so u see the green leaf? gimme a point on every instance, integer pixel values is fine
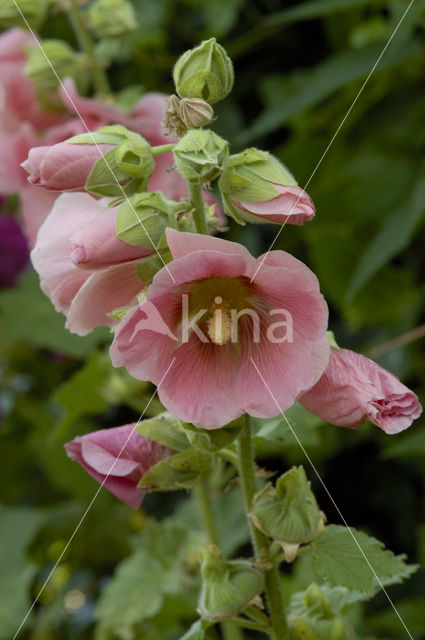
(182, 471)
(166, 430)
(337, 559)
(27, 315)
(393, 237)
(17, 528)
(159, 567)
(196, 631)
(290, 95)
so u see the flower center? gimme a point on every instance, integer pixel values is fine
(219, 324)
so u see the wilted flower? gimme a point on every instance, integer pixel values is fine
(119, 458)
(354, 387)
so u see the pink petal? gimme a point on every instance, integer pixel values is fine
(36, 204)
(96, 245)
(182, 243)
(105, 462)
(292, 206)
(60, 279)
(100, 294)
(288, 370)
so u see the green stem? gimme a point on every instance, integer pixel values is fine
(260, 542)
(195, 195)
(162, 148)
(230, 631)
(100, 78)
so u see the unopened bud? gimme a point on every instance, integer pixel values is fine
(185, 114)
(142, 219)
(33, 10)
(301, 630)
(288, 513)
(111, 18)
(56, 55)
(134, 156)
(227, 587)
(200, 155)
(204, 72)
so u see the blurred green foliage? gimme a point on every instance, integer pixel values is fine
(299, 92)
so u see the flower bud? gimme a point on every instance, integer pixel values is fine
(314, 617)
(289, 512)
(56, 54)
(182, 115)
(227, 587)
(204, 72)
(142, 219)
(111, 18)
(256, 187)
(33, 10)
(134, 156)
(199, 155)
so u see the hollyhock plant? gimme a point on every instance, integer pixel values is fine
(256, 187)
(354, 388)
(118, 458)
(84, 268)
(214, 379)
(14, 252)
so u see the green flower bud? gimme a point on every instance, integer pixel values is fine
(204, 72)
(199, 155)
(288, 513)
(57, 54)
(141, 221)
(33, 10)
(314, 616)
(227, 587)
(111, 18)
(301, 630)
(182, 115)
(250, 176)
(134, 156)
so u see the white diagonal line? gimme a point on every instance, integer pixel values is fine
(332, 499)
(92, 137)
(341, 124)
(83, 517)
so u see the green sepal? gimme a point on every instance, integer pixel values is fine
(181, 471)
(332, 340)
(33, 10)
(134, 156)
(288, 513)
(142, 220)
(149, 266)
(110, 134)
(228, 587)
(106, 176)
(119, 313)
(214, 439)
(165, 429)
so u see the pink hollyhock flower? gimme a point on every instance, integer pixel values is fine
(354, 387)
(213, 378)
(14, 252)
(292, 206)
(63, 166)
(119, 458)
(84, 268)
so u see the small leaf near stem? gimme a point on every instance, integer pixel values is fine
(100, 79)
(195, 195)
(260, 542)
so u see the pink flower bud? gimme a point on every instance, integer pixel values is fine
(354, 387)
(118, 458)
(63, 166)
(293, 206)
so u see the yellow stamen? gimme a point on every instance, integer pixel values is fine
(219, 325)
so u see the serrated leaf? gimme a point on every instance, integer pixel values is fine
(337, 559)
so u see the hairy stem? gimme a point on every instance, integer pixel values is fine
(100, 78)
(230, 631)
(260, 542)
(195, 195)
(162, 148)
